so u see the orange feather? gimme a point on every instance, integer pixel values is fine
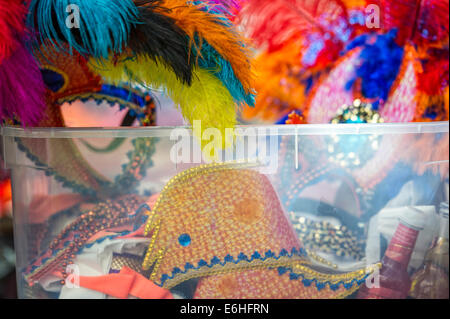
(209, 27)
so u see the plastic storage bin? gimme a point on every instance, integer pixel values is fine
(309, 211)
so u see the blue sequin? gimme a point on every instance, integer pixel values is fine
(320, 286)
(176, 270)
(184, 240)
(215, 261)
(282, 270)
(307, 282)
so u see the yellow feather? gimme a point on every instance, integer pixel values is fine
(206, 100)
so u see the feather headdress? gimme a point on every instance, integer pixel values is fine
(206, 99)
(201, 61)
(216, 55)
(380, 74)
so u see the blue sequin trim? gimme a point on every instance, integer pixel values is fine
(320, 284)
(230, 259)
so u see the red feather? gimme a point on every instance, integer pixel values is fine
(420, 21)
(12, 24)
(434, 78)
(276, 22)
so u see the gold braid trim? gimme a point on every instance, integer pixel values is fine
(228, 268)
(310, 273)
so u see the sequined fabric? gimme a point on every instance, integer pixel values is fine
(263, 284)
(234, 221)
(225, 226)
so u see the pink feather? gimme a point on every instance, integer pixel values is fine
(22, 90)
(275, 22)
(12, 24)
(420, 21)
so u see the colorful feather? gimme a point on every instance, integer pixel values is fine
(22, 91)
(211, 60)
(435, 76)
(204, 27)
(279, 85)
(207, 99)
(421, 21)
(380, 63)
(103, 26)
(158, 37)
(272, 23)
(12, 24)
(225, 7)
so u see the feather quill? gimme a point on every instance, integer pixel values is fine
(104, 25)
(22, 90)
(12, 24)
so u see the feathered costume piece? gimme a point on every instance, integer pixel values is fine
(94, 28)
(421, 21)
(301, 39)
(217, 76)
(188, 49)
(401, 68)
(273, 23)
(205, 99)
(213, 43)
(21, 88)
(199, 58)
(11, 25)
(21, 85)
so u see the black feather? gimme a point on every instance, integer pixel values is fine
(157, 36)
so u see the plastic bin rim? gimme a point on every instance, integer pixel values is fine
(283, 130)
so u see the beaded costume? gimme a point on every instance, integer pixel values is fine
(195, 229)
(322, 62)
(326, 54)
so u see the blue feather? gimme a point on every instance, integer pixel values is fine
(381, 63)
(210, 59)
(103, 25)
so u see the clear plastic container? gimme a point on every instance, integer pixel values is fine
(303, 211)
